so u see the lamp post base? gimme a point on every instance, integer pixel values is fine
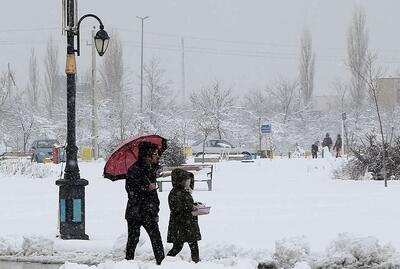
(72, 209)
(75, 237)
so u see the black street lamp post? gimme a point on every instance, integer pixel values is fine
(72, 186)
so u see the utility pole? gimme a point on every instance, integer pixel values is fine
(95, 131)
(343, 119)
(183, 72)
(141, 66)
(259, 134)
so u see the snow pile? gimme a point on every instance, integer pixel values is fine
(119, 248)
(9, 246)
(302, 265)
(221, 251)
(168, 263)
(209, 252)
(37, 245)
(358, 252)
(289, 251)
(24, 167)
(26, 246)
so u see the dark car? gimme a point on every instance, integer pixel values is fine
(42, 149)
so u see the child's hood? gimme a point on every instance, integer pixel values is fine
(179, 177)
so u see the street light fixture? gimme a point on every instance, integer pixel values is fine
(101, 38)
(72, 186)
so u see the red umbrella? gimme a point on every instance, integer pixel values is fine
(127, 154)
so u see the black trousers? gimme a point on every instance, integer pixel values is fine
(151, 227)
(338, 153)
(314, 155)
(194, 250)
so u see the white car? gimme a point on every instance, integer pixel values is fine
(217, 146)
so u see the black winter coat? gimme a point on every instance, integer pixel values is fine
(183, 226)
(142, 203)
(314, 148)
(327, 142)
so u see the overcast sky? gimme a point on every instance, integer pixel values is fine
(243, 44)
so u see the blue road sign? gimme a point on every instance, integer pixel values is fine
(265, 128)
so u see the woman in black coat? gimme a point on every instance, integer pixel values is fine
(143, 203)
(183, 226)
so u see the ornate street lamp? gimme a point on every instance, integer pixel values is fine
(101, 38)
(72, 186)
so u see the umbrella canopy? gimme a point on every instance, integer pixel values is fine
(127, 154)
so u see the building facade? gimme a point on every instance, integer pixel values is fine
(388, 92)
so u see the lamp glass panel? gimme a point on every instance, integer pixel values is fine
(99, 43)
(105, 46)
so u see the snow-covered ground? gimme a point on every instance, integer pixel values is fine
(283, 210)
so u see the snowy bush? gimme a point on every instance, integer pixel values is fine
(350, 171)
(37, 245)
(174, 154)
(368, 158)
(267, 265)
(24, 167)
(357, 252)
(289, 251)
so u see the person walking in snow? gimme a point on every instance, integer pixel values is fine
(338, 146)
(143, 203)
(183, 226)
(327, 142)
(314, 150)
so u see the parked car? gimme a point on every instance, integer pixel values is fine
(218, 146)
(42, 149)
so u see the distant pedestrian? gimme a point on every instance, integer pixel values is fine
(143, 203)
(314, 150)
(183, 226)
(327, 142)
(338, 146)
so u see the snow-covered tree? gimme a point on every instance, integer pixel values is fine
(212, 108)
(4, 90)
(52, 92)
(115, 97)
(307, 68)
(258, 103)
(157, 92)
(283, 93)
(173, 155)
(23, 123)
(371, 79)
(34, 81)
(341, 89)
(357, 47)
